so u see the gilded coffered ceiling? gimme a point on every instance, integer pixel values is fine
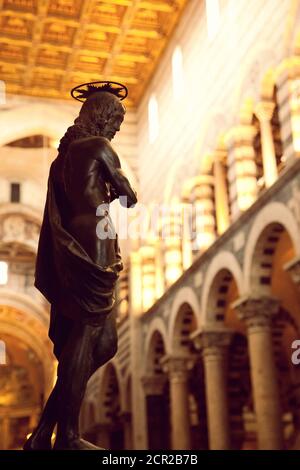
(49, 46)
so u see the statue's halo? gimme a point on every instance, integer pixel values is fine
(84, 91)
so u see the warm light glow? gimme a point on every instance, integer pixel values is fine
(295, 118)
(212, 18)
(2, 92)
(172, 274)
(153, 119)
(3, 273)
(54, 143)
(177, 72)
(261, 182)
(204, 240)
(2, 353)
(53, 437)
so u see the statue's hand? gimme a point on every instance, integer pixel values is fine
(129, 201)
(113, 194)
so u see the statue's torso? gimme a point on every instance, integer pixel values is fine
(83, 187)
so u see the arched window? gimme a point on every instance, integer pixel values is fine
(153, 119)
(3, 273)
(177, 72)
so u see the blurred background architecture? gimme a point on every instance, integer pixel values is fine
(207, 323)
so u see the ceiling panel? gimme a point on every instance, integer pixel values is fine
(49, 46)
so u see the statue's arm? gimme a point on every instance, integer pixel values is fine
(110, 164)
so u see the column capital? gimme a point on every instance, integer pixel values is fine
(293, 268)
(240, 134)
(256, 311)
(177, 366)
(264, 110)
(212, 339)
(154, 384)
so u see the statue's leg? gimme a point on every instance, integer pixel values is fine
(103, 343)
(40, 439)
(106, 347)
(74, 369)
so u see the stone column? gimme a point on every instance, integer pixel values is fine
(157, 419)
(202, 198)
(221, 196)
(103, 431)
(257, 312)
(171, 233)
(177, 367)
(139, 420)
(264, 111)
(293, 268)
(214, 342)
(241, 168)
(125, 418)
(4, 433)
(147, 253)
(288, 93)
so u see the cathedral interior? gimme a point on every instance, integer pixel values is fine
(208, 311)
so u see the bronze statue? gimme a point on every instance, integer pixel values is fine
(76, 270)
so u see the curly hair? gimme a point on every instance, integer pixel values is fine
(95, 112)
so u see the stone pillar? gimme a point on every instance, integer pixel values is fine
(177, 368)
(159, 270)
(293, 268)
(123, 294)
(103, 435)
(139, 419)
(4, 433)
(257, 312)
(125, 418)
(264, 111)
(187, 252)
(221, 196)
(241, 168)
(202, 198)
(157, 419)
(171, 233)
(214, 342)
(148, 269)
(288, 98)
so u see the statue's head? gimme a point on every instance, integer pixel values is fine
(101, 114)
(102, 110)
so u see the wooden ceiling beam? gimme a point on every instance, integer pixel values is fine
(36, 39)
(125, 27)
(86, 10)
(167, 7)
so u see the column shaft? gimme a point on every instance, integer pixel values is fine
(180, 419)
(257, 313)
(216, 400)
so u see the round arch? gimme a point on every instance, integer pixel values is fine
(186, 295)
(109, 372)
(18, 323)
(222, 261)
(157, 325)
(47, 119)
(273, 213)
(28, 212)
